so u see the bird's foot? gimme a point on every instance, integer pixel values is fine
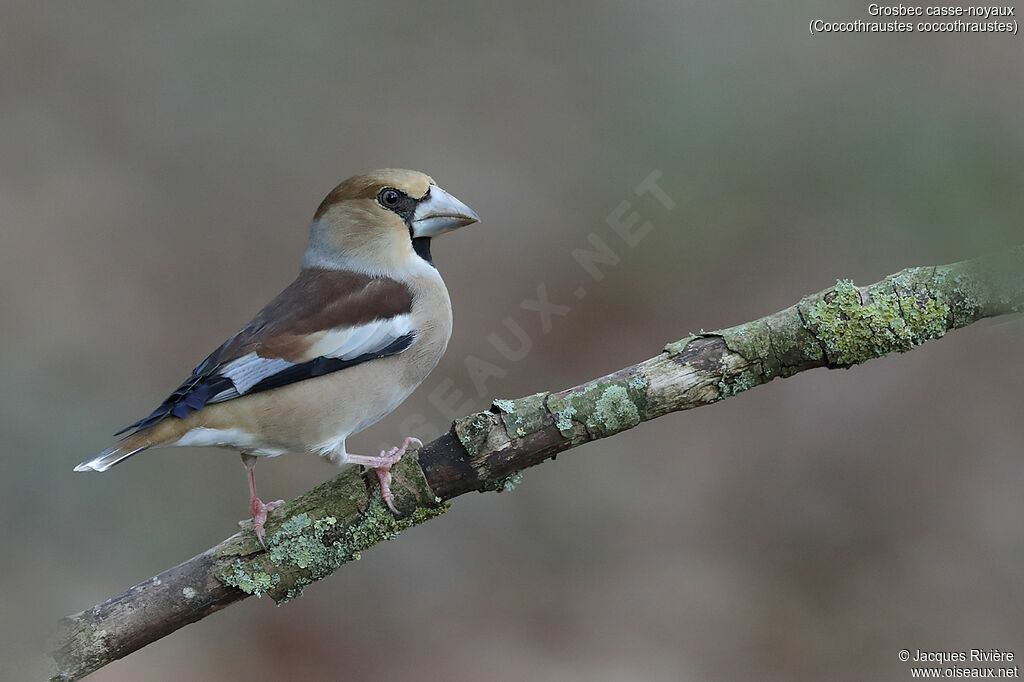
(391, 458)
(382, 466)
(259, 511)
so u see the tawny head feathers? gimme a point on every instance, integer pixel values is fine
(369, 185)
(381, 222)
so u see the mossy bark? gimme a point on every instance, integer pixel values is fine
(315, 534)
(839, 327)
(307, 539)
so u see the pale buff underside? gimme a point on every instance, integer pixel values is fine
(317, 415)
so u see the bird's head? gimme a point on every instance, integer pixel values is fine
(382, 222)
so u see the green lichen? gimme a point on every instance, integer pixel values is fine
(614, 411)
(509, 483)
(472, 431)
(251, 580)
(751, 340)
(304, 550)
(677, 347)
(966, 298)
(317, 548)
(564, 420)
(743, 381)
(378, 524)
(638, 383)
(792, 347)
(603, 407)
(522, 416)
(896, 316)
(300, 543)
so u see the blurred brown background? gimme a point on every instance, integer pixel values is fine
(159, 166)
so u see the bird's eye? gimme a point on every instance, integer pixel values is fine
(389, 197)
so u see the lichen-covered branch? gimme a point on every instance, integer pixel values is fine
(312, 536)
(839, 327)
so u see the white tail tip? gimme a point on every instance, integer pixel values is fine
(104, 460)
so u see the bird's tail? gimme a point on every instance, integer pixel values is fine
(162, 433)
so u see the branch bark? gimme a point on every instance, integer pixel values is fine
(315, 534)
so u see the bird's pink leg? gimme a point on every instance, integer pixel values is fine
(382, 465)
(257, 508)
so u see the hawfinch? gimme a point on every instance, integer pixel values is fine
(343, 345)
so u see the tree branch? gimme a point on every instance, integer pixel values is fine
(315, 534)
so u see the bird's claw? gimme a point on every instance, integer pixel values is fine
(387, 459)
(259, 512)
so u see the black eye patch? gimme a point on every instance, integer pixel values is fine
(399, 202)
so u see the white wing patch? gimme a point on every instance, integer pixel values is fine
(251, 369)
(345, 343)
(349, 343)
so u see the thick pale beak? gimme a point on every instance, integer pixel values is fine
(440, 212)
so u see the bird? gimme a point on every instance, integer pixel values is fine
(366, 320)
